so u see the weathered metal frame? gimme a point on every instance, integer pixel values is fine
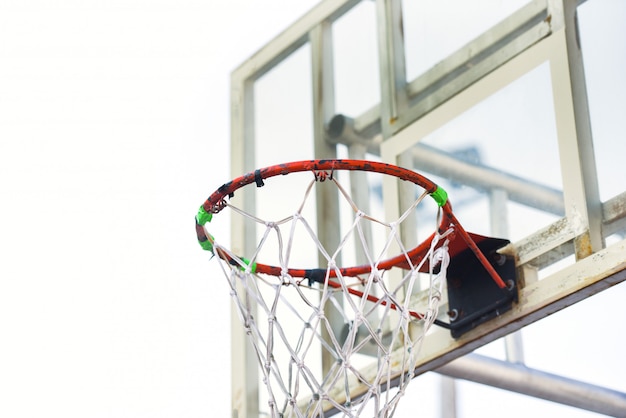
(544, 30)
(581, 205)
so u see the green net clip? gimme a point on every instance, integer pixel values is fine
(203, 216)
(252, 266)
(440, 196)
(207, 245)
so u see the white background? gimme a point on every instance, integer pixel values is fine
(114, 127)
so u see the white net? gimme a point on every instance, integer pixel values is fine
(329, 341)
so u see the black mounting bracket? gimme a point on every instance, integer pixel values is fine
(473, 296)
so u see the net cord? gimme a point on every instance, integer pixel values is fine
(285, 384)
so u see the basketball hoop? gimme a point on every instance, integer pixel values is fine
(285, 308)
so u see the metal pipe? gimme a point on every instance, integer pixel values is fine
(521, 379)
(448, 397)
(343, 130)
(499, 216)
(440, 163)
(514, 347)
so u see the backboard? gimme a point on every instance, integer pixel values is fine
(495, 109)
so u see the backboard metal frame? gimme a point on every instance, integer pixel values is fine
(542, 31)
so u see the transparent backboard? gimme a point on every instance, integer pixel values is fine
(502, 121)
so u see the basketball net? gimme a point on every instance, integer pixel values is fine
(290, 315)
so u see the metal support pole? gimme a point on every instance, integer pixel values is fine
(521, 379)
(448, 397)
(328, 228)
(244, 366)
(393, 93)
(343, 130)
(481, 177)
(500, 228)
(359, 191)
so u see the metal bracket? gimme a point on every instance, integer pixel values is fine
(473, 296)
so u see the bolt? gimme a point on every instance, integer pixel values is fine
(499, 259)
(453, 314)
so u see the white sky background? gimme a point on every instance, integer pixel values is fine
(114, 127)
